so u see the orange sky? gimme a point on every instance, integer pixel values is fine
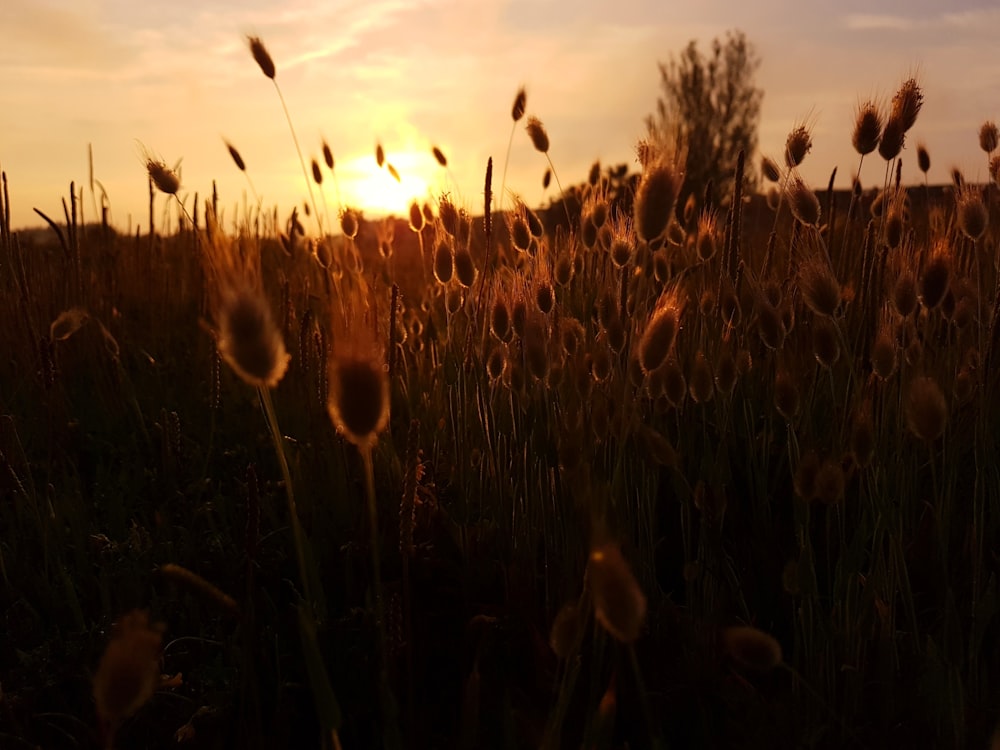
(178, 78)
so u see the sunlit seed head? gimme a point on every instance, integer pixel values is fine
(973, 216)
(935, 277)
(674, 383)
(317, 174)
(656, 198)
(893, 138)
(249, 341)
(751, 648)
(923, 158)
(536, 132)
(906, 104)
(803, 202)
(439, 156)
(465, 269)
(770, 169)
(820, 288)
(926, 409)
(237, 159)
(661, 331)
(500, 320)
(349, 223)
(520, 237)
(619, 604)
(129, 670)
(883, 355)
(520, 102)
(260, 54)
(867, 127)
(359, 396)
(797, 145)
(444, 262)
(166, 180)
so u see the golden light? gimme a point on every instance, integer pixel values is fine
(374, 190)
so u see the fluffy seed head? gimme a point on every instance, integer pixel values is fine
(989, 137)
(520, 101)
(655, 199)
(893, 138)
(240, 165)
(536, 132)
(904, 294)
(926, 409)
(973, 216)
(249, 341)
(439, 156)
(129, 670)
(751, 648)
(803, 202)
(884, 355)
(867, 128)
(820, 288)
(166, 179)
(444, 262)
(797, 145)
(826, 342)
(661, 331)
(923, 158)
(906, 104)
(619, 604)
(260, 54)
(359, 395)
(770, 169)
(465, 269)
(936, 278)
(327, 155)
(349, 223)
(317, 175)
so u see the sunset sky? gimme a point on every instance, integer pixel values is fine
(178, 78)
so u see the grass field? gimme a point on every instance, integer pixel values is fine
(616, 473)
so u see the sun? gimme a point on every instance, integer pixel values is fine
(376, 192)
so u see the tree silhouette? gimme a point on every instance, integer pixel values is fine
(713, 105)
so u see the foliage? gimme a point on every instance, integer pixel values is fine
(713, 103)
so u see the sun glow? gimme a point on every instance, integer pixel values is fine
(375, 191)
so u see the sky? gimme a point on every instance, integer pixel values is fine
(176, 79)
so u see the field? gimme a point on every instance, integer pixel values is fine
(627, 471)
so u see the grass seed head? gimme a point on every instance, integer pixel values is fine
(770, 169)
(803, 202)
(619, 604)
(536, 132)
(656, 197)
(129, 670)
(465, 269)
(797, 145)
(926, 409)
(820, 289)
(867, 128)
(249, 340)
(825, 342)
(520, 102)
(359, 394)
(923, 158)
(701, 383)
(973, 216)
(260, 54)
(751, 648)
(935, 278)
(240, 164)
(444, 262)
(893, 138)
(989, 136)
(906, 104)
(660, 333)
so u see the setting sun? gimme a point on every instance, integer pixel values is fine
(373, 189)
